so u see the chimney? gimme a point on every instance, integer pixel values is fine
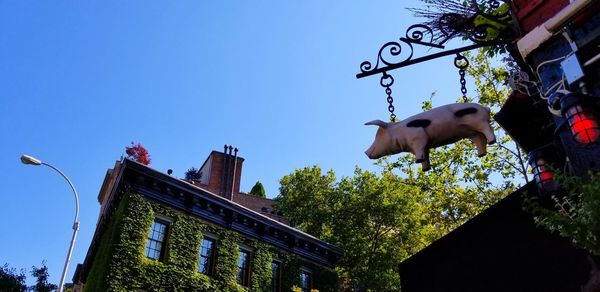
(222, 172)
(233, 175)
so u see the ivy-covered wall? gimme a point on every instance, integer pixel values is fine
(120, 263)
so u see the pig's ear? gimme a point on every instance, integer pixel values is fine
(378, 123)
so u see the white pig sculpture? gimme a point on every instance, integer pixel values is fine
(436, 127)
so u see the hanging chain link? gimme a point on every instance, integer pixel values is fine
(462, 63)
(387, 81)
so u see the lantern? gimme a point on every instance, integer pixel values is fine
(577, 109)
(542, 161)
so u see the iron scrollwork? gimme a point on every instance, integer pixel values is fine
(484, 23)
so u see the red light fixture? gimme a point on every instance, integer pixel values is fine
(542, 161)
(577, 109)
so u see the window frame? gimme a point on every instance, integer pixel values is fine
(309, 273)
(149, 239)
(276, 278)
(212, 257)
(245, 281)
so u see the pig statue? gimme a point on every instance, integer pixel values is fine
(436, 127)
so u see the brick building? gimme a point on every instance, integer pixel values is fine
(157, 232)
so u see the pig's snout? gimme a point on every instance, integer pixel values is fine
(372, 154)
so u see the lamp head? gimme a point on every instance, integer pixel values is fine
(543, 161)
(26, 159)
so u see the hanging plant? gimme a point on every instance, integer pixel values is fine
(478, 21)
(138, 153)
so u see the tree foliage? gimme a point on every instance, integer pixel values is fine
(575, 214)
(376, 220)
(11, 280)
(380, 219)
(138, 153)
(306, 197)
(41, 275)
(258, 190)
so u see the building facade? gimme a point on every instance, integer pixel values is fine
(157, 232)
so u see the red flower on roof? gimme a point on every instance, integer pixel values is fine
(138, 153)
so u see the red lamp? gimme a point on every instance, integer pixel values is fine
(581, 118)
(542, 161)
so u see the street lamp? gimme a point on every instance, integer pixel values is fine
(26, 159)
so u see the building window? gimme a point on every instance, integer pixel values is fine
(207, 256)
(156, 240)
(243, 270)
(305, 281)
(276, 276)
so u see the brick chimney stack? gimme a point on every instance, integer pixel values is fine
(222, 172)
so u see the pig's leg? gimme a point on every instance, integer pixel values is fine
(488, 132)
(480, 141)
(425, 165)
(419, 149)
(416, 142)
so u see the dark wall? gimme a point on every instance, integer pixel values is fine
(501, 249)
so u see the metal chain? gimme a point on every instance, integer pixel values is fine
(462, 63)
(463, 82)
(387, 81)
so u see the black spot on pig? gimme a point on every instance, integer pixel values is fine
(465, 111)
(422, 123)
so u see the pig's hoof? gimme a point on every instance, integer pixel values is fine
(425, 168)
(481, 155)
(492, 142)
(419, 160)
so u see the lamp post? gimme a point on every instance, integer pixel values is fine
(26, 159)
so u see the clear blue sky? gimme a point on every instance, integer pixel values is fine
(80, 80)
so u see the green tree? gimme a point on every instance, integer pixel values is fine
(258, 190)
(11, 280)
(41, 275)
(377, 220)
(306, 199)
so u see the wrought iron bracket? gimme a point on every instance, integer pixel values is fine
(485, 23)
(392, 66)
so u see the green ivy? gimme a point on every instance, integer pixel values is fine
(226, 261)
(291, 272)
(96, 279)
(120, 263)
(128, 252)
(261, 268)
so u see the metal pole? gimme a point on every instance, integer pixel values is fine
(75, 228)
